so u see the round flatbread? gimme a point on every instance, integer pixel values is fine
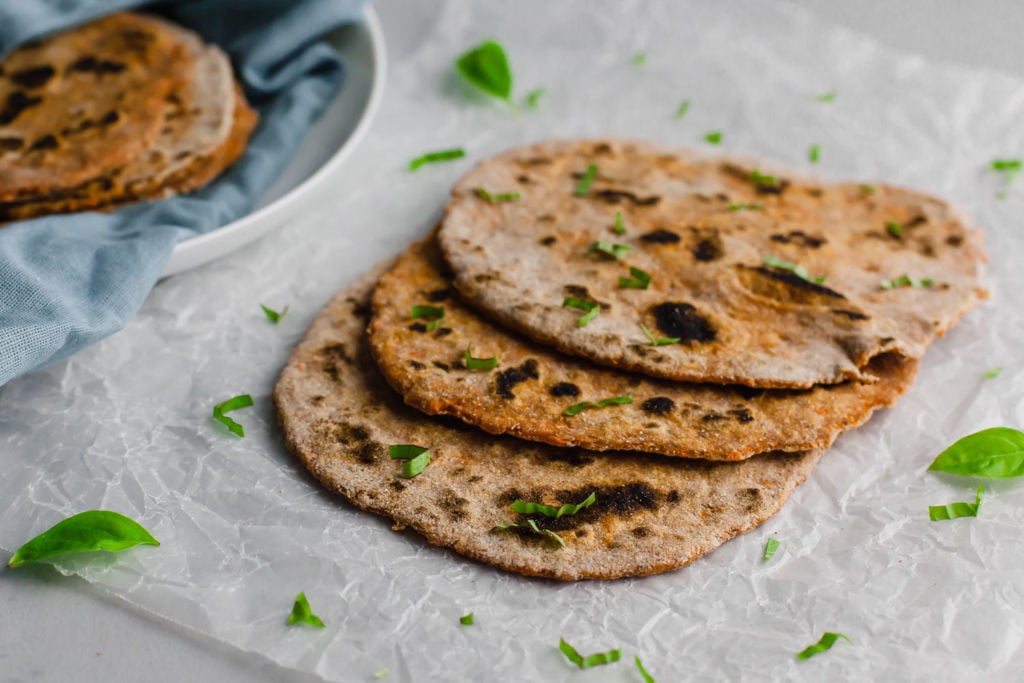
(651, 514)
(732, 252)
(527, 393)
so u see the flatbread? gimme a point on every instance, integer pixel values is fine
(205, 126)
(78, 105)
(652, 514)
(527, 394)
(740, 321)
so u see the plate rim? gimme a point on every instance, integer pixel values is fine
(182, 259)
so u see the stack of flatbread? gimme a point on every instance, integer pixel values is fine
(739, 318)
(127, 108)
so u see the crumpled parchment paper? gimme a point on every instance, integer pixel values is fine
(126, 424)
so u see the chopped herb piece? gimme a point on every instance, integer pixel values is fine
(714, 137)
(793, 268)
(993, 373)
(648, 678)
(829, 96)
(580, 407)
(272, 315)
(814, 153)
(746, 207)
(762, 179)
(1010, 168)
(996, 453)
(590, 307)
(640, 279)
(536, 530)
(219, 410)
(894, 228)
(381, 673)
(525, 508)
(938, 513)
(486, 67)
(906, 281)
(479, 363)
(616, 251)
(435, 314)
(867, 189)
(533, 97)
(497, 198)
(434, 157)
(658, 341)
(619, 228)
(583, 186)
(639, 58)
(466, 619)
(302, 614)
(590, 660)
(85, 532)
(770, 546)
(415, 458)
(828, 639)
(684, 106)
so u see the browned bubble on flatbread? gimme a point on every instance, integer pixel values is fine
(205, 126)
(527, 393)
(652, 514)
(70, 104)
(739, 320)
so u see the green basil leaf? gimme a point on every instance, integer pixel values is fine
(434, 157)
(466, 619)
(381, 673)
(648, 678)
(616, 251)
(497, 198)
(532, 527)
(533, 97)
(591, 308)
(405, 451)
(1010, 168)
(793, 268)
(763, 180)
(486, 67)
(996, 453)
(583, 186)
(479, 363)
(524, 508)
(753, 206)
(894, 229)
(937, 513)
(302, 614)
(658, 341)
(827, 641)
(272, 315)
(906, 281)
(830, 96)
(640, 279)
(619, 228)
(770, 546)
(814, 154)
(416, 458)
(590, 660)
(993, 373)
(85, 532)
(683, 107)
(580, 407)
(219, 410)
(435, 314)
(714, 137)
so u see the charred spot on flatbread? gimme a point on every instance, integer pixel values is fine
(660, 236)
(658, 405)
(682, 320)
(564, 389)
(509, 377)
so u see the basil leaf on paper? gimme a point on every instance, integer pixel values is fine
(648, 678)
(533, 97)
(434, 157)
(828, 639)
(466, 619)
(683, 107)
(381, 673)
(303, 614)
(714, 137)
(590, 660)
(770, 546)
(525, 508)
(996, 453)
(993, 373)
(219, 410)
(85, 532)
(272, 315)
(486, 67)
(938, 513)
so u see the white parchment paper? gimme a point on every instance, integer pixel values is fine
(125, 425)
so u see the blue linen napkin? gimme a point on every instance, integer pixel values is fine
(68, 281)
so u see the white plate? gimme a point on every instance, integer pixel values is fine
(330, 140)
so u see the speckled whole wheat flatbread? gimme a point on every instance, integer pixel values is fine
(70, 104)
(205, 126)
(527, 393)
(690, 226)
(652, 514)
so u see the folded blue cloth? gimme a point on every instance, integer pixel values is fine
(67, 281)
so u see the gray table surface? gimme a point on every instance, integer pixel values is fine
(59, 629)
